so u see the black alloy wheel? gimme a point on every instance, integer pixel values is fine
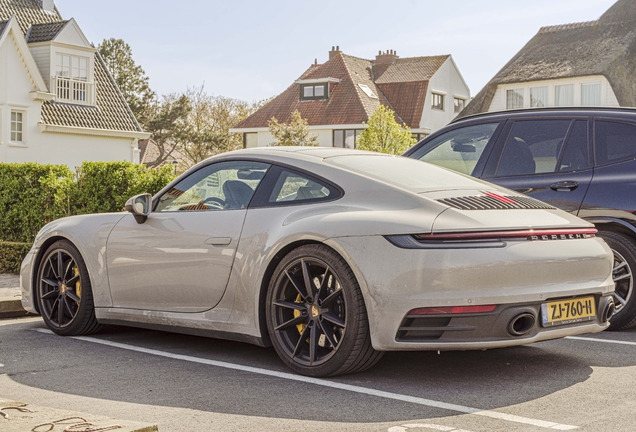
(316, 315)
(64, 291)
(623, 274)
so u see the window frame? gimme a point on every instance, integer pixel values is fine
(455, 105)
(23, 135)
(325, 96)
(356, 134)
(266, 188)
(434, 106)
(520, 93)
(71, 66)
(171, 185)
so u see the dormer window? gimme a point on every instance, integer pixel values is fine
(316, 88)
(314, 91)
(71, 80)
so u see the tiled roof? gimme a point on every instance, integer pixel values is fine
(603, 47)
(44, 32)
(27, 12)
(3, 24)
(401, 85)
(409, 69)
(111, 112)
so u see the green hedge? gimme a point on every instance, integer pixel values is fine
(11, 256)
(32, 195)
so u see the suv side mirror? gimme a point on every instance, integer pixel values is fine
(140, 206)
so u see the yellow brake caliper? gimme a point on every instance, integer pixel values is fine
(78, 285)
(300, 327)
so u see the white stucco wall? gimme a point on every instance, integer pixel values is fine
(608, 98)
(448, 82)
(47, 147)
(324, 134)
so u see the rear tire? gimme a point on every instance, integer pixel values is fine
(623, 274)
(64, 293)
(316, 316)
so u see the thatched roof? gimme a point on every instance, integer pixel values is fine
(605, 47)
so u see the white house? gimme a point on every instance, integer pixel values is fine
(336, 97)
(58, 103)
(580, 64)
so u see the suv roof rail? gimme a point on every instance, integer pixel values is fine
(533, 110)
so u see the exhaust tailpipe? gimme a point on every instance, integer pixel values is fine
(522, 324)
(608, 311)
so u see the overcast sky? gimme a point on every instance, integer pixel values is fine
(252, 50)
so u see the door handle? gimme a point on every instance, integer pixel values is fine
(218, 241)
(564, 186)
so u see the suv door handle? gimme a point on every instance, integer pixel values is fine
(564, 186)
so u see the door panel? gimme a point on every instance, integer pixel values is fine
(177, 261)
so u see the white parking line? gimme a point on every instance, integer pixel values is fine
(331, 384)
(601, 340)
(406, 427)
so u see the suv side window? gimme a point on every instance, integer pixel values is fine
(614, 142)
(459, 149)
(576, 155)
(533, 147)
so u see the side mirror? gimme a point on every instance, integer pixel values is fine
(140, 206)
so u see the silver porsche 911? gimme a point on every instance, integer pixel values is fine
(332, 256)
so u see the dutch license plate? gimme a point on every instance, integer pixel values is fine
(568, 311)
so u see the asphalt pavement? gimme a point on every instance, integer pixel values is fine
(188, 383)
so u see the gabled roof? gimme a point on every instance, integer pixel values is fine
(3, 25)
(400, 85)
(44, 32)
(606, 47)
(111, 112)
(27, 12)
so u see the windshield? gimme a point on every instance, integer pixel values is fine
(406, 172)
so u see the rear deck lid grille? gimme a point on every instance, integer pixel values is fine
(493, 201)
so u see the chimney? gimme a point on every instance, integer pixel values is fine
(386, 57)
(334, 51)
(48, 5)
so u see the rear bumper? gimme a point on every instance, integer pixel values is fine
(518, 277)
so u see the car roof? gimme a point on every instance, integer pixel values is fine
(551, 111)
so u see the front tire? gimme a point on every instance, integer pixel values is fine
(316, 317)
(64, 292)
(623, 274)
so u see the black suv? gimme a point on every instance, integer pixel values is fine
(582, 160)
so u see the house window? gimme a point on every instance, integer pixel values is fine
(437, 102)
(346, 138)
(250, 140)
(591, 94)
(514, 99)
(17, 123)
(564, 95)
(459, 104)
(313, 91)
(71, 67)
(538, 97)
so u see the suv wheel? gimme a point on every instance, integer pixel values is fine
(623, 274)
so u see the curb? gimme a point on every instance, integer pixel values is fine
(10, 303)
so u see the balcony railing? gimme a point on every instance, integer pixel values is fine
(74, 91)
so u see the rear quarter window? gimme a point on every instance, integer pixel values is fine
(614, 141)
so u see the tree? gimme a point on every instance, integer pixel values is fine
(296, 133)
(205, 131)
(166, 122)
(130, 77)
(384, 134)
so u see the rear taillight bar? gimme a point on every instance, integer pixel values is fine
(551, 234)
(452, 310)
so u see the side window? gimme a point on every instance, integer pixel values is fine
(219, 186)
(459, 149)
(576, 155)
(299, 188)
(533, 147)
(614, 142)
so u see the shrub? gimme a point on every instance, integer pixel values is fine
(11, 256)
